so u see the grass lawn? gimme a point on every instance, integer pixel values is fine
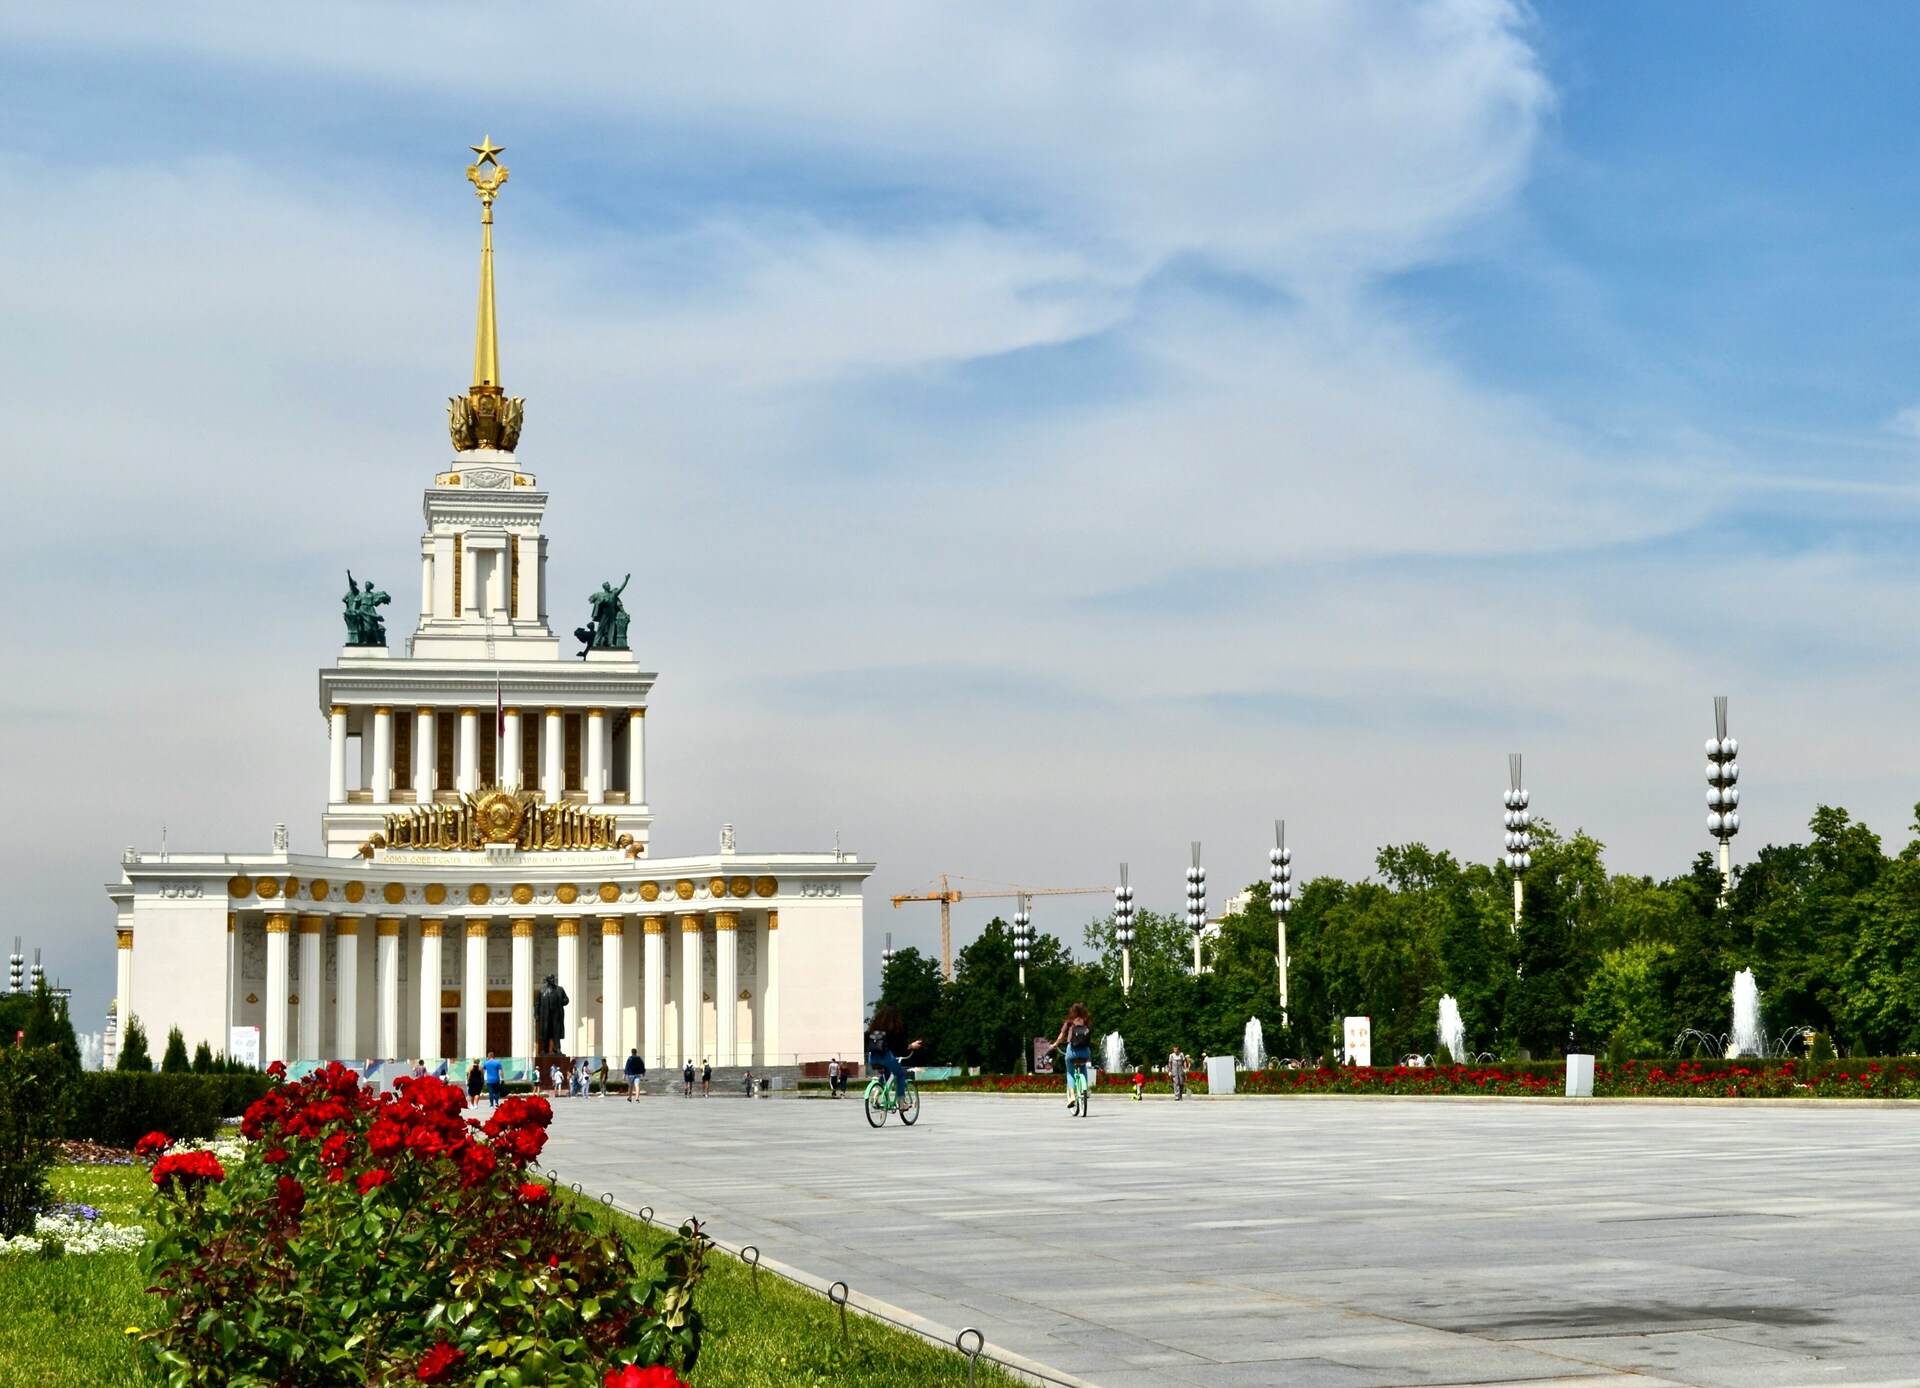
(64, 1321)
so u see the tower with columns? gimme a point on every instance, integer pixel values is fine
(487, 824)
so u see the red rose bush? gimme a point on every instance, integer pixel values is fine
(387, 1239)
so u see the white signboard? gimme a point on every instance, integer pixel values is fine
(243, 1045)
(1359, 1047)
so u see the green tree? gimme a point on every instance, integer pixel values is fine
(1623, 999)
(133, 1048)
(174, 1061)
(912, 983)
(36, 1086)
(203, 1062)
(39, 1018)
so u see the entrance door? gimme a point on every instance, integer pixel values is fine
(449, 1034)
(499, 1032)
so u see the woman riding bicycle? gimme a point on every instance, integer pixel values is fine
(1076, 1035)
(885, 1032)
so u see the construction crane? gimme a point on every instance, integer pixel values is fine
(947, 895)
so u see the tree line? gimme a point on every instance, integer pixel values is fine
(1598, 960)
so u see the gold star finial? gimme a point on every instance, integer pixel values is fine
(488, 151)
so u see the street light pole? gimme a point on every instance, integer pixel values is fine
(1123, 930)
(1519, 840)
(1723, 791)
(1196, 903)
(1022, 940)
(1280, 896)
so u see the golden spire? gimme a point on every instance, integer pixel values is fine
(486, 417)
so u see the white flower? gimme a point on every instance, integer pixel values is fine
(77, 1236)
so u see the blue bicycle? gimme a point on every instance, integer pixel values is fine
(1079, 1086)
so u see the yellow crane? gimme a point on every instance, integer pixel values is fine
(947, 895)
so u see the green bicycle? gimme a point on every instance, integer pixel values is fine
(881, 1100)
(1079, 1086)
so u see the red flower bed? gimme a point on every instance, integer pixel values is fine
(376, 1239)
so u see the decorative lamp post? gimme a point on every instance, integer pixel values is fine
(37, 976)
(1123, 930)
(1280, 897)
(16, 966)
(1022, 939)
(886, 955)
(1723, 791)
(1519, 840)
(1196, 903)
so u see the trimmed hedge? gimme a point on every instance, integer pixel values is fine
(119, 1107)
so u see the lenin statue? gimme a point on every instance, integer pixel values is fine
(550, 1017)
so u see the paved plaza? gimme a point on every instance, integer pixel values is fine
(1324, 1243)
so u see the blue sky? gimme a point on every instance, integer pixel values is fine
(1041, 437)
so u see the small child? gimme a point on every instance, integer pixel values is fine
(1139, 1082)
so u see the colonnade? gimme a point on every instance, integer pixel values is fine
(417, 782)
(671, 943)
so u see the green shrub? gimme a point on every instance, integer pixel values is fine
(35, 1089)
(119, 1108)
(174, 1061)
(1619, 1048)
(203, 1059)
(133, 1048)
(1820, 1047)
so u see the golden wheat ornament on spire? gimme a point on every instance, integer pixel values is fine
(486, 416)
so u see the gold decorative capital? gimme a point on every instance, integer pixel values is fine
(311, 924)
(430, 927)
(476, 927)
(338, 710)
(653, 925)
(773, 920)
(123, 938)
(726, 920)
(613, 925)
(693, 922)
(388, 926)
(277, 923)
(346, 926)
(636, 713)
(523, 928)
(567, 928)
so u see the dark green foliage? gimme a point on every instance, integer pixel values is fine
(174, 1061)
(133, 1048)
(911, 983)
(38, 1018)
(120, 1109)
(35, 1090)
(203, 1059)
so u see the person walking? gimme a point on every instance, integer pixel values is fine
(746, 1084)
(476, 1083)
(636, 1070)
(491, 1071)
(1139, 1082)
(833, 1078)
(706, 1079)
(601, 1075)
(686, 1078)
(1177, 1072)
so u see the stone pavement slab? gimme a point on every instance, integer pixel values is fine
(1304, 1243)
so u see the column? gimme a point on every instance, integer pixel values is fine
(313, 982)
(469, 779)
(123, 981)
(637, 757)
(596, 756)
(346, 1021)
(430, 929)
(273, 1039)
(383, 777)
(523, 1042)
(426, 754)
(553, 754)
(652, 1044)
(386, 968)
(337, 755)
(510, 772)
(613, 944)
(473, 992)
(726, 986)
(233, 974)
(692, 924)
(770, 989)
(568, 948)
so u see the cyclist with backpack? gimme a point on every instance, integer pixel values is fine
(885, 1032)
(1076, 1035)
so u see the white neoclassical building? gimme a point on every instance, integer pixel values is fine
(486, 825)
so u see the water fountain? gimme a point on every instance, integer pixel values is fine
(1452, 1031)
(1115, 1054)
(1253, 1046)
(1747, 1038)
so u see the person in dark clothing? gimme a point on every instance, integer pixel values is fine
(686, 1078)
(476, 1082)
(886, 1033)
(636, 1071)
